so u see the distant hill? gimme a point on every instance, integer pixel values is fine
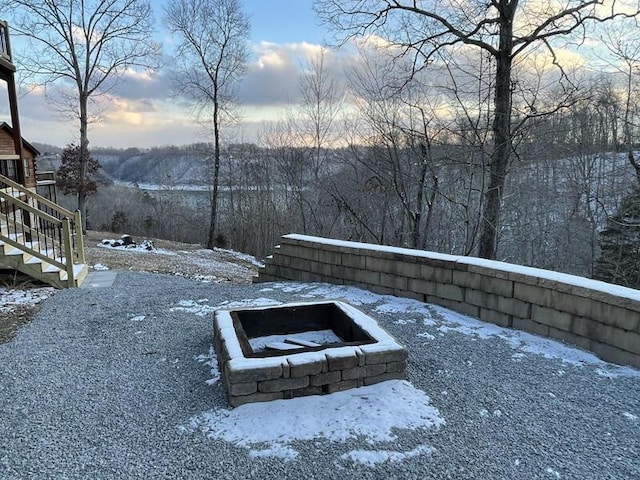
(163, 166)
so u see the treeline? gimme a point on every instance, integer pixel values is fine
(567, 180)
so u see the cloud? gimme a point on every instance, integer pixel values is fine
(274, 72)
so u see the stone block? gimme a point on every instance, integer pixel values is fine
(529, 325)
(460, 307)
(589, 328)
(422, 286)
(308, 253)
(353, 373)
(238, 400)
(379, 289)
(532, 294)
(407, 269)
(243, 388)
(375, 369)
(342, 386)
(338, 271)
(384, 377)
(565, 302)
(385, 356)
(328, 257)
(325, 378)
(341, 362)
(483, 283)
(367, 277)
(396, 367)
(304, 367)
(282, 384)
(617, 316)
(615, 355)
(623, 339)
(497, 318)
(258, 374)
(420, 297)
(513, 307)
(303, 392)
(434, 274)
(378, 264)
(393, 281)
(551, 317)
(302, 264)
(477, 297)
(450, 292)
(570, 337)
(354, 261)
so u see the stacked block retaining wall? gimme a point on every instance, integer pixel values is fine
(596, 316)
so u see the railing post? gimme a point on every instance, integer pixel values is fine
(79, 237)
(68, 250)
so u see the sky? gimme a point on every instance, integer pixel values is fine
(141, 111)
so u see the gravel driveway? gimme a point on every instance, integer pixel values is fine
(104, 381)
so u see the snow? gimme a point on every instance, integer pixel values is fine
(565, 278)
(321, 337)
(145, 247)
(199, 308)
(446, 322)
(13, 298)
(372, 413)
(241, 256)
(211, 360)
(370, 458)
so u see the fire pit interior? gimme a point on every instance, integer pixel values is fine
(292, 350)
(271, 331)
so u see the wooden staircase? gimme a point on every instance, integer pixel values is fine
(40, 238)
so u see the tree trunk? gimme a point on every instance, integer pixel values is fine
(213, 219)
(84, 154)
(501, 135)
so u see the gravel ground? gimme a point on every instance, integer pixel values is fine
(90, 389)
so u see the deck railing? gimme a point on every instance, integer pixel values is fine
(40, 227)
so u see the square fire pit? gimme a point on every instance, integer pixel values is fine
(297, 349)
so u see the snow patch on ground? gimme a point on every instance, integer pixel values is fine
(371, 458)
(630, 416)
(445, 321)
(211, 360)
(372, 412)
(241, 256)
(248, 303)
(13, 298)
(352, 295)
(146, 246)
(278, 450)
(528, 343)
(198, 308)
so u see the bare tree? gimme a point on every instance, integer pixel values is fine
(624, 48)
(87, 45)
(504, 29)
(211, 58)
